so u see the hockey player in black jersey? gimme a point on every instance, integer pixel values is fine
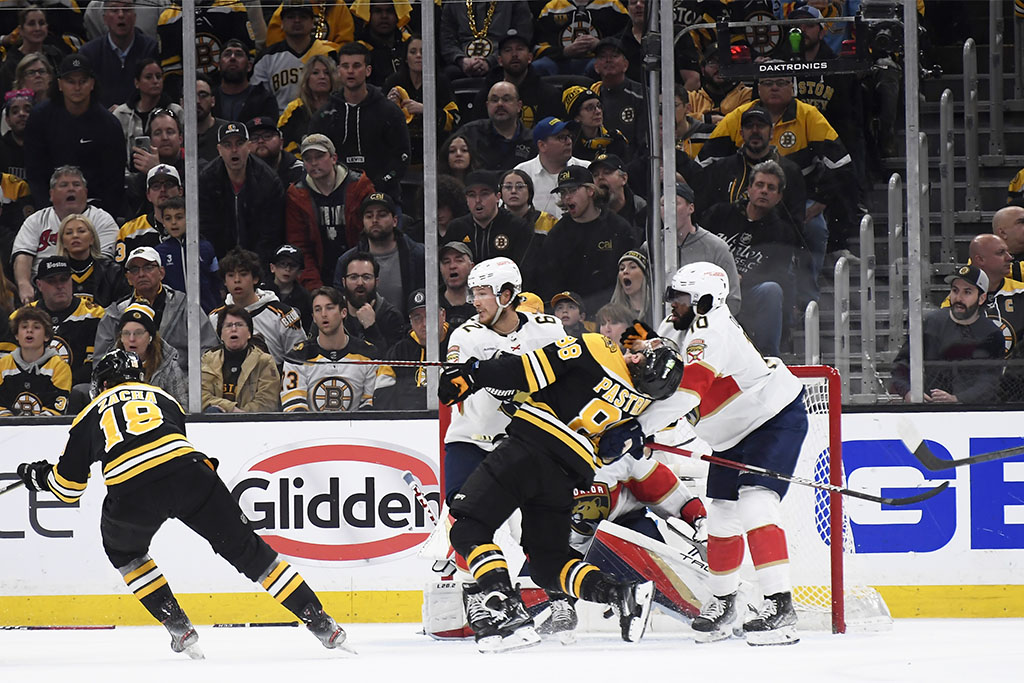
(152, 473)
(578, 389)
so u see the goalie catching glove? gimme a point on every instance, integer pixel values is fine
(35, 474)
(626, 439)
(457, 382)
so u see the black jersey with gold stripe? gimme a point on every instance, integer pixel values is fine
(40, 387)
(137, 432)
(578, 388)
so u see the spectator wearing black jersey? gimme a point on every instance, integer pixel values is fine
(92, 274)
(490, 230)
(568, 33)
(17, 107)
(117, 54)
(379, 28)
(368, 131)
(73, 129)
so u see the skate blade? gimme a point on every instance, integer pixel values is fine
(517, 640)
(194, 651)
(633, 628)
(567, 637)
(703, 637)
(780, 636)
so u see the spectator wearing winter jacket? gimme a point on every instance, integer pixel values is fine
(368, 130)
(241, 200)
(322, 216)
(116, 53)
(399, 257)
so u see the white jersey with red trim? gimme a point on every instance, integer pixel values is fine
(626, 485)
(479, 420)
(728, 389)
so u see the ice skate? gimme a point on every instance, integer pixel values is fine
(326, 630)
(477, 615)
(716, 619)
(631, 601)
(510, 626)
(562, 621)
(184, 637)
(775, 623)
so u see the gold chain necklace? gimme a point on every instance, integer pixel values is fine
(480, 46)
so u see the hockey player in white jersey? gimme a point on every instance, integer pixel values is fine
(477, 423)
(748, 409)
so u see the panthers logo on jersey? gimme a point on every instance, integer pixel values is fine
(332, 395)
(590, 508)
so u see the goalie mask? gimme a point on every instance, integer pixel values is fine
(659, 373)
(117, 367)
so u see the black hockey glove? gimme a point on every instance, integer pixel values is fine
(34, 474)
(626, 439)
(637, 332)
(456, 382)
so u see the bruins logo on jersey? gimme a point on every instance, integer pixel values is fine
(580, 27)
(331, 395)
(63, 350)
(787, 139)
(501, 241)
(27, 403)
(590, 507)
(628, 114)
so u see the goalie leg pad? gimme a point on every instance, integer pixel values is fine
(680, 581)
(444, 617)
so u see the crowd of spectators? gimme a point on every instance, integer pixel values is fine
(310, 141)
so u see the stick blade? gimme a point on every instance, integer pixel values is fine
(924, 495)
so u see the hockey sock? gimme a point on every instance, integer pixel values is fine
(724, 558)
(489, 568)
(286, 585)
(147, 583)
(771, 558)
(581, 580)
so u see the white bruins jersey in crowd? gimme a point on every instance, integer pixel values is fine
(625, 485)
(478, 420)
(728, 389)
(313, 380)
(281, 69)
(279, 324)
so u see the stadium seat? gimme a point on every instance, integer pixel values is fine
(563, 81)
(465, 90)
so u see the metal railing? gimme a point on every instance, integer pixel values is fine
(868, 307)
(995, 79)
(842, 324)
(971, 200)
(924, 195)
(946, 171)
(897, 261)
(812, 335)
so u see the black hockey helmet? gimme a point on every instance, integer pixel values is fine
(659, 374)
(115, 368)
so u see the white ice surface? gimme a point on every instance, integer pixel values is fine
(915, 650)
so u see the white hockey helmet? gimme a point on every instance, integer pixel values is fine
(706, 283)
(497, 273)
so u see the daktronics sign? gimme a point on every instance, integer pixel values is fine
(338, 501)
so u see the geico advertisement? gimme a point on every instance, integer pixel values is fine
(328, 495)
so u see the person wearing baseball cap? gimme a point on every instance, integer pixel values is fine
(163, 181)
(408, 391)
(276, 67)
(583, 106)
(241, 199)
(611, 176)
(569, 308)
(237, 98)
(285, 268)
(400, 259)
(455, 262)
(76, 130)
(621, 98)
(268, 145)
(584, 246)
(489, 229)
(953, 338)
(323, 215)
(554, 139)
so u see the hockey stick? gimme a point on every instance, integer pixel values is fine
(11, 486)
(445, 567)
(912, 439)
(392, 363)
(753, 469)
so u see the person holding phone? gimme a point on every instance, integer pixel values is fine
(136, 114)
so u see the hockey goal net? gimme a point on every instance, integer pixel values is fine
(827, 590)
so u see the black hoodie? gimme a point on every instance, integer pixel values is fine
(371, 136)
